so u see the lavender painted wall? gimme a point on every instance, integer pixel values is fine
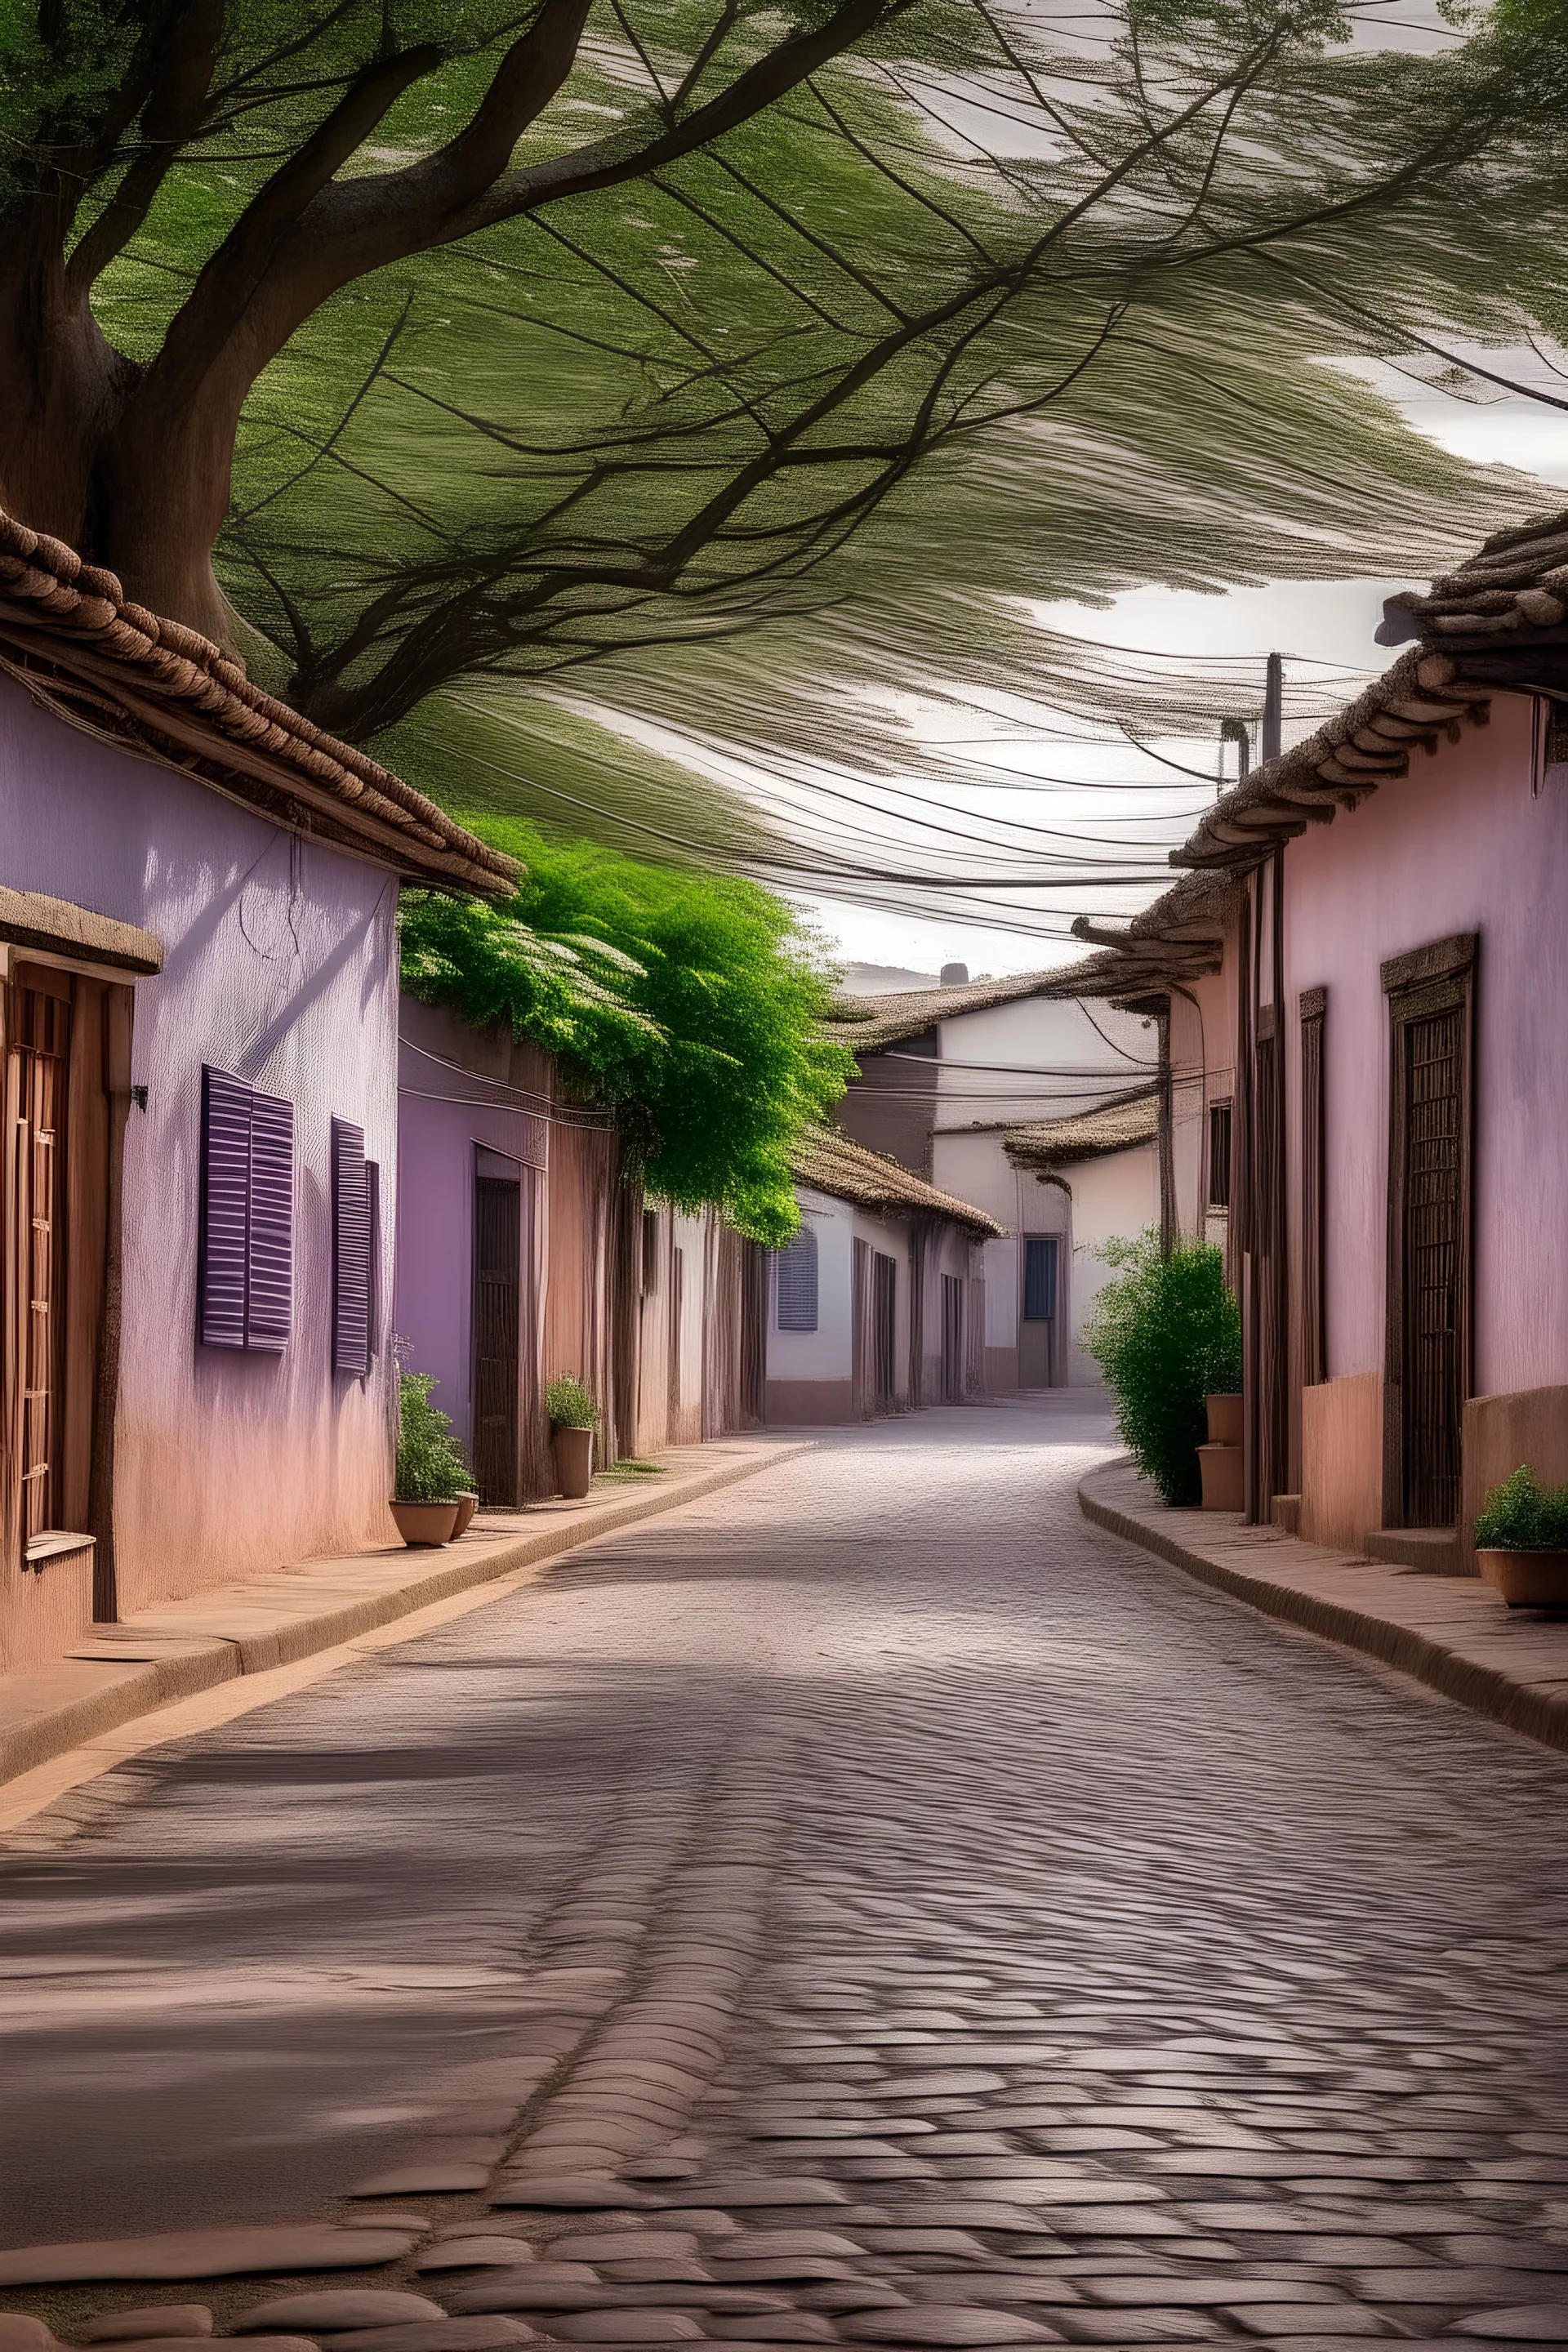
(280, 966)
(458, 1091)
(1460, 844)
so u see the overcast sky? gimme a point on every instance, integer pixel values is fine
(1326, 623)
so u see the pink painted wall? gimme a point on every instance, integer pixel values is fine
(280, 966)
(1460, 844)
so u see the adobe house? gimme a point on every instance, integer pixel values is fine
(526, 1249)
(879, 1303)
(1366, 969)
(198, 899)
(950, 1077)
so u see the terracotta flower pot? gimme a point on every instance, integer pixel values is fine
(574, 1452)
(1221, 1468)
(425, 1523)
(1527, 1580)
(1225, 1420)
(468, 1504)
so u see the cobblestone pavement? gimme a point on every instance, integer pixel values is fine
(868, 1906)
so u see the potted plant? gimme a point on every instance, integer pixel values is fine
(431, 1471)
(573, 1418)
(1521, 1542)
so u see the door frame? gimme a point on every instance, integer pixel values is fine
(1438, 978)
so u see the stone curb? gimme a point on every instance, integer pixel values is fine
(1437, 1629)
(181, 1648)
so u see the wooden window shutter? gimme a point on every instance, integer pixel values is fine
(797, 1283)
(245, 1276)
(351, 1250)
(270, 1300)
(1314, 1323)
(224, 1248)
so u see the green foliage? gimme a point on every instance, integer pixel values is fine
(1166, 1333)
(430, 1465)
(1520, 1516)
(569, 1405)
(690, 1002)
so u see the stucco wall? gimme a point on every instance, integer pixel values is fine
(443, 1118)
(1046, 1039)
(1460, 844)
(1113, 1198)
(281, 967)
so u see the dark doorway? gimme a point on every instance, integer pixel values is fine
(498, 1270)
(884, 1303)
(952, 1338)
(1428, 1348)
(1038, 1322)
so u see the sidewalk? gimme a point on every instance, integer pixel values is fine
(1448, 1631)
(183, 1647)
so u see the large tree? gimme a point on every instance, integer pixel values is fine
(563, 342)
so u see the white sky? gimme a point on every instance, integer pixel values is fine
(1328, 621)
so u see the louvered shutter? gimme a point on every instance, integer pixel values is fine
(351, 1250)
(797, 1283)
(373, 1266)
(270, 1295)
(225, 1243)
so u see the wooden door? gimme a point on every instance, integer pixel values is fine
(885, 1279)
(36, 1095)
(497, 1269)
(1426, 1365)
(1433, 1384)
(952, 1338)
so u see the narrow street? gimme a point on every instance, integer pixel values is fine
(872, 1850)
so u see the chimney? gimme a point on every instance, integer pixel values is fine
(955, 975)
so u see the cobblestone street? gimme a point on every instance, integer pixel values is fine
(870, 1904)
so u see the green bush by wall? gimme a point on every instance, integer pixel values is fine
(1166, 1333)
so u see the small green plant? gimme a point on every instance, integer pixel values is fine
(569, 1405)
(431, 1467)
(1520, 1516)
(1166, 1333)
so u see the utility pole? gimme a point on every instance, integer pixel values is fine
(1273, 708)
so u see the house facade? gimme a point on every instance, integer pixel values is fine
(1366, 967)
(198, 940)
(526, 1250)
(879, 1303)
(986, 1090)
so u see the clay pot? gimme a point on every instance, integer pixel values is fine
(1221, 1469)
(1225, 1420)
(468, 1504)
(574, 1452)
(425, 1523)
(1527, 1580)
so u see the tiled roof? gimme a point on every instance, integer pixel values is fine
(828, 1160)
(69, 634)
(1053, 1142)
(867, 1025)
(1498, 624)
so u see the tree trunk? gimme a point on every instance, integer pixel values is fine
(87, 456)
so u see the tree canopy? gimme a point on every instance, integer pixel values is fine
(691, 1003)
(737, 368)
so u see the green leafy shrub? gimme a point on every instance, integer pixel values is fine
(1520, 1516)
(569, 1405)
(431, 1467)
(1166, 1333)
(691, 1001)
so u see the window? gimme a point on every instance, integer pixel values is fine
(1219, 1155)
(246, 1275)
(356, 1189)
(797, 1283)
(1039, 1277)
